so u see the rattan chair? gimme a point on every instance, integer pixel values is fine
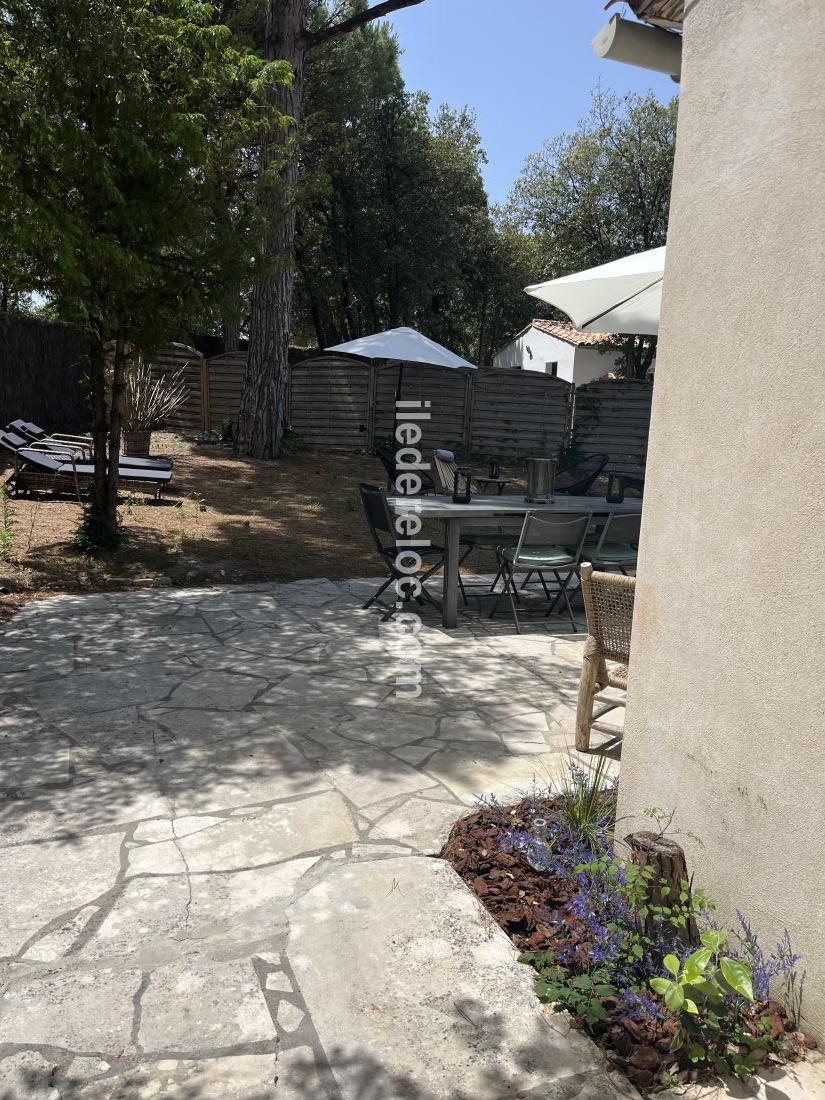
(608, 602)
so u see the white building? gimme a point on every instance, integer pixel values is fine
(559, 349)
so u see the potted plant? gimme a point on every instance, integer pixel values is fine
(149, 403)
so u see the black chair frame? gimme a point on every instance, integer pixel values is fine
(379, 521)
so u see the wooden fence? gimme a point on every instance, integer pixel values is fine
(340, 403)
(613, 418)
(194, 413)
(224, 381)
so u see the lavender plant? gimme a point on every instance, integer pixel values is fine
(619, 945)
(782, 963)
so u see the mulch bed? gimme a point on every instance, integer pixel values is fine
(533, 909)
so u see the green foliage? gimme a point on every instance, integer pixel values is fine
(6, 525)
(393, 223)
(122, 120)
(222, 438)
(704, 993)
(93, 535)
(655, 901)
(587, 799)
(600, 193)
(582, 995)
(603, 191)
(122, 117)
(292, 443)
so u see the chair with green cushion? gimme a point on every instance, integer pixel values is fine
(618, 545)
(549, 543)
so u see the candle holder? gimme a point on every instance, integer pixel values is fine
(463, 486)
(615, 489)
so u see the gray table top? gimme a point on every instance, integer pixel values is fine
(482, 507)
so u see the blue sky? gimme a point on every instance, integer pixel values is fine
(525, 66)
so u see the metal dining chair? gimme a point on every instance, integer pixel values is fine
(382, 528)
(474, 536)
(549, 543)
(618, 544)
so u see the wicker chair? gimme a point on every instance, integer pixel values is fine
(608, 601)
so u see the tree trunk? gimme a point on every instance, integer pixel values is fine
(100, 434)
(262, 415)
(115, 423)
(667, 859)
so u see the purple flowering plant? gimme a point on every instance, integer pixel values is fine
(612, 936)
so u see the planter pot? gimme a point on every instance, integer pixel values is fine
(136, 444)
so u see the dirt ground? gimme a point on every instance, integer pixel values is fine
(224, 518)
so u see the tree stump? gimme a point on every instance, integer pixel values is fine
(669, 865)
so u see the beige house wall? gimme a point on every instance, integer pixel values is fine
(726, 707)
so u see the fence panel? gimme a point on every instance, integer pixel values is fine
(339, 403)
(445, 389)
(225, 382)
(613, 418)
(192, 415)
(329, 402)
(517, 414)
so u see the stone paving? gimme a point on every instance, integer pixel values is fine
(216, 819)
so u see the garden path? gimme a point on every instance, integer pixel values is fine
(217, 823)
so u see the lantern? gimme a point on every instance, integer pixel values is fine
(462, 486)
(615, 489)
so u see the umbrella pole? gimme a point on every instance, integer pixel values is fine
(399, 385)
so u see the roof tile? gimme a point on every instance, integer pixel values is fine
(563, 330)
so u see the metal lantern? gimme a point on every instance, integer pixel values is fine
(541, 477)
(615, 489)
(495, 471)
(462, 486)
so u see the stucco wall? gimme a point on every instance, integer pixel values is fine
(533, 350)
(591, 364)
(726, 708)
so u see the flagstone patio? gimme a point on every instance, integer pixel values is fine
(216, 823)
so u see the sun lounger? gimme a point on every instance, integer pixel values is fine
(48, 470)
(13, 441)
(32, 433)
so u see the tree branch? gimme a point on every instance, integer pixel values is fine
(386, 7)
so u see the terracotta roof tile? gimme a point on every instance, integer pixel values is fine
(563, 330)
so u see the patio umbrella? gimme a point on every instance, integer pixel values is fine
(622, 296)
(403, 345)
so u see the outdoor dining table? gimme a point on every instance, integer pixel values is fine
(499, 483)
(443, 508)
